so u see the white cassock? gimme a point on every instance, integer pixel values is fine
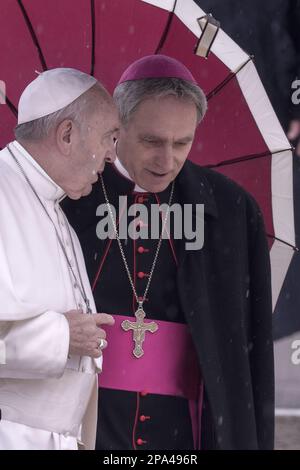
(47, 400)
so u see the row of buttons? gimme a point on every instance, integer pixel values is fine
(141, 274)
(142, 419)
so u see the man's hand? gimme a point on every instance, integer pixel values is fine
(86, 332)
(293, 134)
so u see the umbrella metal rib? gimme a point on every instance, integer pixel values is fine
(167, 29)
(229, 77)
(10, 105)
(33, 35)
(295, 248)
(93, 52)
(244, 158)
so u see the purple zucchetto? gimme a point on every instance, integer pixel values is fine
(157, 66)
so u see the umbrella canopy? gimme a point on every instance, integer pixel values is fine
(240, 135)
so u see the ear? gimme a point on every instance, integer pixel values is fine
(65, 134)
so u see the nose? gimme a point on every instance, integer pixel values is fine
(165, 159)
(110, 156)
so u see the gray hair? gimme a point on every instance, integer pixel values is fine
(128, 95)
(85, 104)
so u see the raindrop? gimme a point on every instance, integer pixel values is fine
(131, 29)
(40, 29)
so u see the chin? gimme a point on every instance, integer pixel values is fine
(153, 184)
(80, 193)
(156, 188)
(87, 190)
(74, 196)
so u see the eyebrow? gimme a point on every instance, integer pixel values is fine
(160, 139)
(116, 129)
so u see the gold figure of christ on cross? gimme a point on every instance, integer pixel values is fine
(139, 329)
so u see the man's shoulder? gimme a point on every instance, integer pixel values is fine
(8, 176)
(223, 189)
(214, 178)
(233, 204)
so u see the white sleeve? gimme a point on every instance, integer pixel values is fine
(34, 348)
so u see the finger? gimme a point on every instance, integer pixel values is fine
(96, 353)
(103, 319)
(101, 334)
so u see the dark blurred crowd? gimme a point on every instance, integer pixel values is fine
(269, 30)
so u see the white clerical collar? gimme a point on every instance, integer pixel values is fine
(41, 181)
(125, 173)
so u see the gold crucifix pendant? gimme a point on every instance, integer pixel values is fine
(139, 329)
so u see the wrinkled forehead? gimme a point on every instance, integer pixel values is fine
(104, 120)
(160, 114)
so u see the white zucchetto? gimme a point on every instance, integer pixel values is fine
(51, 91)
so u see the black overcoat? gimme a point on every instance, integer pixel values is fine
(225, 289)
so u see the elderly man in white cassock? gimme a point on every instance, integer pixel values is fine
(50, 334)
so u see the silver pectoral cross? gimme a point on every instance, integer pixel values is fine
(139, 329)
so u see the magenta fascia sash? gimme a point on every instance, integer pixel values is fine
(168, 366)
